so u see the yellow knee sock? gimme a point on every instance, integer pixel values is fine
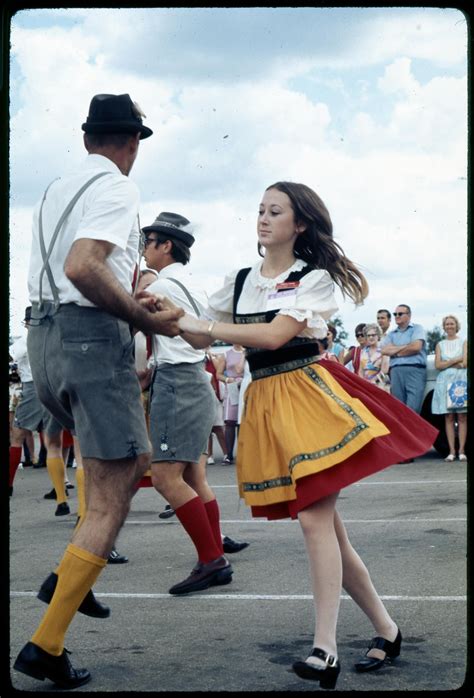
(57, 472)
(77, 573)
(81, 496)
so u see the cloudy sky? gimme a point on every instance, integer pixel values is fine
(368, 106)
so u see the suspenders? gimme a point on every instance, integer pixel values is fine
(46, 254)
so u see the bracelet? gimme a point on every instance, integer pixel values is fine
(210, 328)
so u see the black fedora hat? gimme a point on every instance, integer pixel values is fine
(115, 114)
(173, 226)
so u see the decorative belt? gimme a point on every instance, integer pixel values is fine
(288, 358)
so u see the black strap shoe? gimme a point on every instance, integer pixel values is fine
(391, 649)
(62, 509)
(233, 546)
(215, 573)
(89, 606)
(34, 661)
(115, 558)
(327, 676)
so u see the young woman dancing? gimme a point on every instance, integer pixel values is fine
(310, 427)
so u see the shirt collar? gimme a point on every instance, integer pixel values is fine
(100, 161)
(171, 270)
(264, 282)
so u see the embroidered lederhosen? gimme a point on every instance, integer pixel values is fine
(298, 352)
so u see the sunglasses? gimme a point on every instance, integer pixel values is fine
(360, 334)
(148, 241)
(400, 314)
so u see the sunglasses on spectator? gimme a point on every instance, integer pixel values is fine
(399, 314)
(360, 334)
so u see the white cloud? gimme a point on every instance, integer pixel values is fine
(228, 123)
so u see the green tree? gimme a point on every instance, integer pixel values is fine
(432, 338)
(341, 332)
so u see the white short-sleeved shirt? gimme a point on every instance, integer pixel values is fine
(313, 300)
(108, 210)
(18, 350)
(175, 350)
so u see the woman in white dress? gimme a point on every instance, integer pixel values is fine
(451, 361)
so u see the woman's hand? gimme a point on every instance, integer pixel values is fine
(191, 324)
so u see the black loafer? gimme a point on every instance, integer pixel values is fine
(89, 606)
(62, 509)
(233, 546)
(167, 513)
(52, 494)
(391, 649)
(215, 573)
(115, 558)
(34, 661)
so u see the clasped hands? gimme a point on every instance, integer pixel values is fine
(171, 320)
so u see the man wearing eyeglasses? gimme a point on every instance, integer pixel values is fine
(406, 348)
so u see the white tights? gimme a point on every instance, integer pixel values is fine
(335, 564)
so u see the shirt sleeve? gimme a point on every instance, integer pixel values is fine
(221, 303)
(418, 333)
(314, 302)
(111, 212)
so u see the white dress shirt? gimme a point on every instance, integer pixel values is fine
(175, 350)
(107, 210)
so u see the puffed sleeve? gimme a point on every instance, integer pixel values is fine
(315, 302)
(220, 303)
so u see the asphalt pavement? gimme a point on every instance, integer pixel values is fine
(407, 522)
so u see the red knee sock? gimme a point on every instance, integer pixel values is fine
(15, 458)
(193, 516)
(213, 514)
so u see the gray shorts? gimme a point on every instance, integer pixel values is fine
(82, 361)
(182, 412)
(30, 411)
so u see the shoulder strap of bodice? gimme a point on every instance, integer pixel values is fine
(239, 283)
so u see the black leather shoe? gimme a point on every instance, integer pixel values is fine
(215, 573)
(62, 509)
(34, 661)
(89, 606)
(115, 558)
(52, 494)
(167, 512)
(327, 676)
(391, 649)
(233, 546)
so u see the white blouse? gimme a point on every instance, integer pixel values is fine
(313, 300)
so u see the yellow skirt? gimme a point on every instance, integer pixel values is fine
(296, 424)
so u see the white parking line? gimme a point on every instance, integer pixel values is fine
(247, 597)
(295, 521)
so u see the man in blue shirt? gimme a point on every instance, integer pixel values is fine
(406, 348)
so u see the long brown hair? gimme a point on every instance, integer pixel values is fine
(316, 245)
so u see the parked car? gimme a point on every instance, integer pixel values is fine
(437, 420)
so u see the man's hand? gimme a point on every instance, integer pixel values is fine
(164, 303)
(166, 322)
(147, 300)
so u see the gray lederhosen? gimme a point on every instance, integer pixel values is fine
(82, 362)
(182, 412)
(31, 414)
(182, 408)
